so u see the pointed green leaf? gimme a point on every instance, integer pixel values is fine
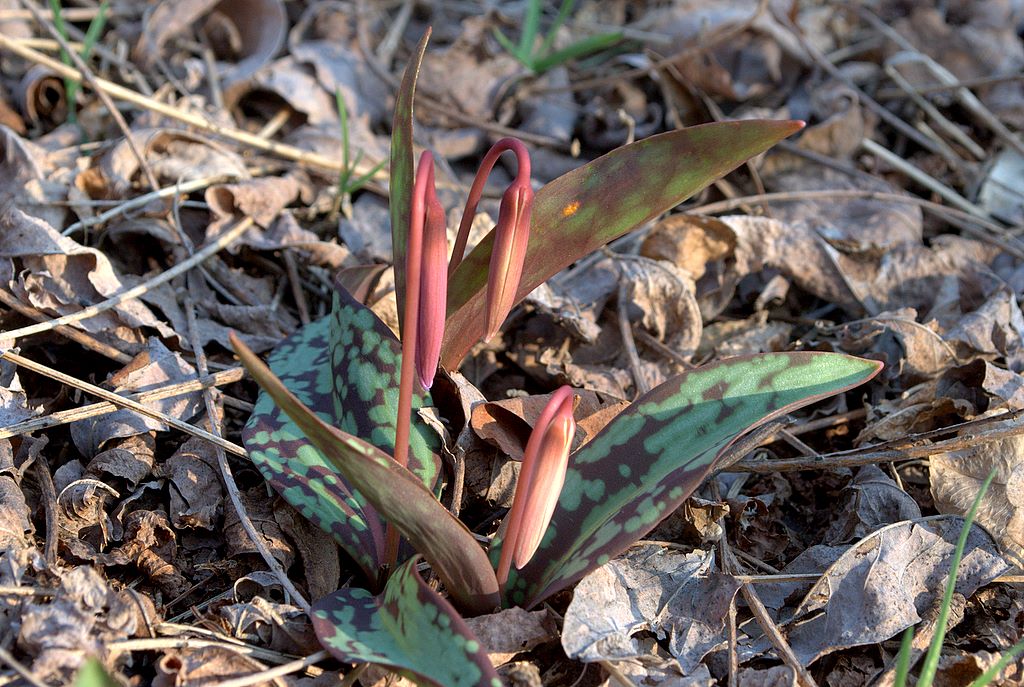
(653, 455)
(586, 208)
(407, 628)
(401, 174)
(351, 348)
(395, 492)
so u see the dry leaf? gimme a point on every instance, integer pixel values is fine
(513, 630)
(196, 494)
(956, 478)
(675, 596)
(870, 501)
(153, 368)
(887, 582)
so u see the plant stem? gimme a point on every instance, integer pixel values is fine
(410, 324)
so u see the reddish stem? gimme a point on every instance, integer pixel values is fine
(410, 322)
(477, 189)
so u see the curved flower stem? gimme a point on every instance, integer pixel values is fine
(413, 266)
(477, 190)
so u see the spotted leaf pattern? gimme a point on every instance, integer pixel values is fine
(586, 208)
(408, 628)
(398, 495)
(652, 456)
(314, 363)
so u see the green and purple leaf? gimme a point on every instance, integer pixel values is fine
(395, 492)
(401, 172)
(409, 628)
(366, 354)
(586, 208)
(654, 454)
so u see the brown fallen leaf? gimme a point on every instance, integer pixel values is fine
(956, 478)
(672, 595)
(203, 667)
(155, 367)
(887, 582)
(871, 500)
(84, 616)
(507, 424)
(512, 631)
(196, 494)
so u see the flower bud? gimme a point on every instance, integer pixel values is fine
(540, 482)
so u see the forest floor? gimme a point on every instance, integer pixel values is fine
(190, 188)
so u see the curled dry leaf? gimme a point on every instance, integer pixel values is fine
(870, 501)
(673, 595)
(277, 626)
(128, 460)
(40, 95)
(956, 478)
(196, 494)
(203, 666)
(155, 367)
(261, 199)
(666, 298)
(84, 616)
(245, 33)
(513, 630)
(887, 582)
(175, 156)
(14, 513)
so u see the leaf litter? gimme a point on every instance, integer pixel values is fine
(116, 529)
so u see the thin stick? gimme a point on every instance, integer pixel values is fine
(77, 335)
(932, 184)
(122, 401)
(63, 417)
(868, 456)
(274, 673)
(88, 77)
(199, 257)
(119, 92)
(147, 198)
(214, 414)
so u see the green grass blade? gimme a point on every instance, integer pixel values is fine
(93, 674)
(361, 181)
(512, 49)
(931, 659)
(549, 40)
(903, 658)
(989, 675)
(531, 25)
(580, 48)
(600, 201)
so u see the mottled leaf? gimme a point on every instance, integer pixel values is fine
(401, 179)
(366, 358)
(367, 354)
(581, 211)
(652, 456)
(407, 628)
(394, 491)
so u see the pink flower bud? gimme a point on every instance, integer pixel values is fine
(511, 233)
(433, 276)
(540, 482)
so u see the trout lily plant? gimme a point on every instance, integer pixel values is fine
(336, 433)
